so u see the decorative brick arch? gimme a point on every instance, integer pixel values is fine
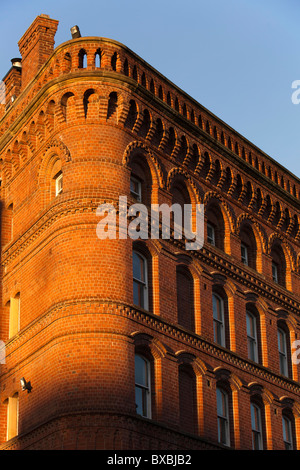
(227, 211)
(143, 340)
(257, 389)
(225, 375)
(290, 256)
(176, 172)
(258, 231)
(54, 151)
(199, 367)
(155, 167)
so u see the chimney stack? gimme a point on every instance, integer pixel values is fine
(36, 46)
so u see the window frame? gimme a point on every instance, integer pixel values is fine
(283, 354)
(252, 339)
(143, 287)
(58, 184)
(223, 419)
(137, 195)
(287, 443)
(146, 388)
(219, 324)
(256, 432)
(211, 238)
(244, 257)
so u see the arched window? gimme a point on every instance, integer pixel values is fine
(98, 57)
(187, 399)
(140, 280)
(86, 100)
(142, 386)
(219, 320)
(185, 298)
(112, 106)
(223, 416)
(248, 246)
(64, 104)
(82, 59)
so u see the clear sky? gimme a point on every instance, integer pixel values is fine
(238, 58)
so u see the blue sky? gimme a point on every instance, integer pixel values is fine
(238, 58)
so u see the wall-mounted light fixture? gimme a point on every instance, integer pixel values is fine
(75, 31)
(25, 385)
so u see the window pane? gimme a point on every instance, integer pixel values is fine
(138, 294)
(138, 267)
(142, 386)
(244, 254)
(287, 433)
(222, 431)
(141, 375)
(283, 364)
(254, 417)
(256, 427)
(141, 402)
(218, 333)
(251, 349)
(218, 316)
(222, 412)
(139, 280)
(136, 188)
(217, 308)
(256, 441)
(281, 341)
(275, 272)
(251, 330)
(251, 336)
(210, 234)
(221, 403)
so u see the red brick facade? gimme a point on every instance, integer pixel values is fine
(95, 112)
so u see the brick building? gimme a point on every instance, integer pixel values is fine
(139, 344)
